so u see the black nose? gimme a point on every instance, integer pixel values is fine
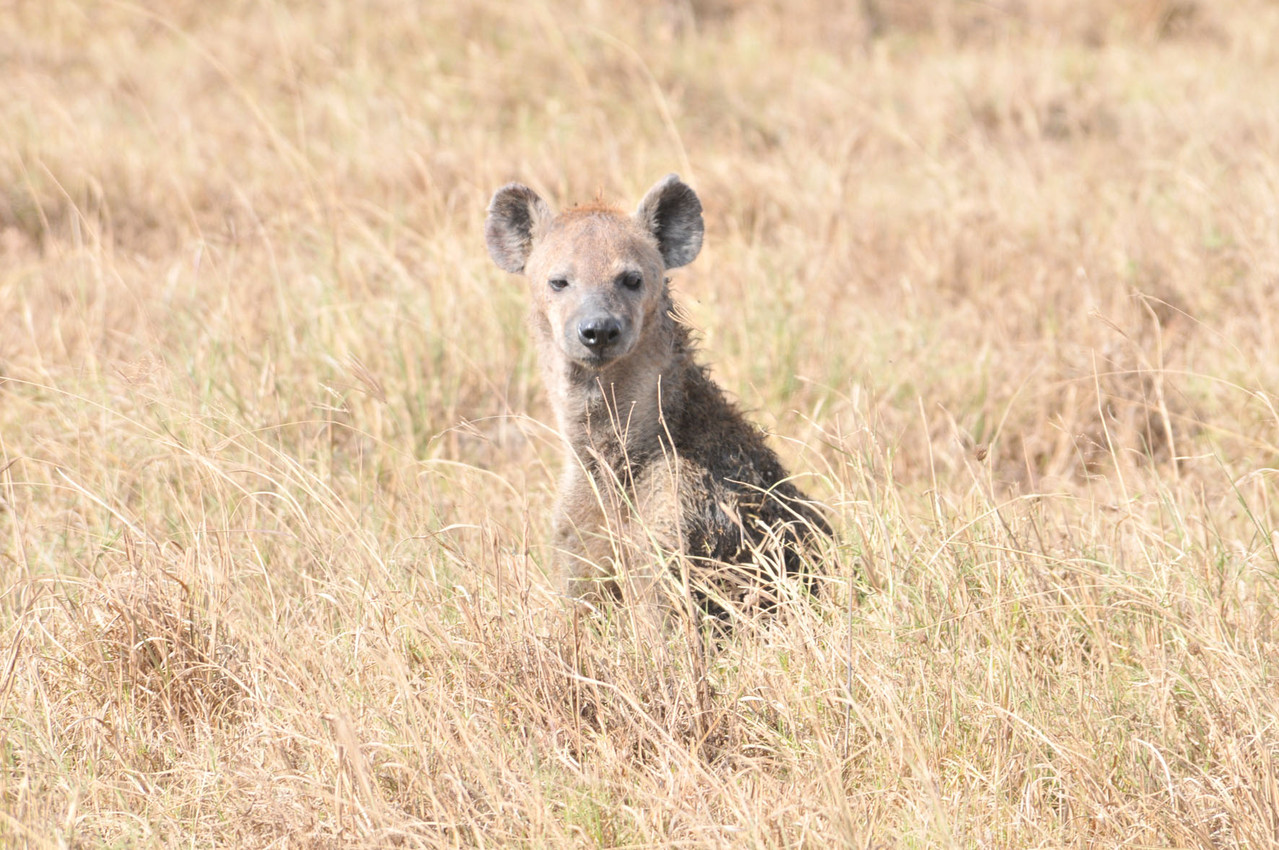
(599, 332)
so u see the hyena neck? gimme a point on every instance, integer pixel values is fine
(618, 418)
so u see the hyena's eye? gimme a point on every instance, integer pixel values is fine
(631, 280)
(557, 283)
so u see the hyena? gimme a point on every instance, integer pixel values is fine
(661, 470)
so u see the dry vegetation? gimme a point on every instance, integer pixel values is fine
(274, 473)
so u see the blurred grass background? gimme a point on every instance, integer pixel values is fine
(275, 468)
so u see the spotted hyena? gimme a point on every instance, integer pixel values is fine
(662, 471)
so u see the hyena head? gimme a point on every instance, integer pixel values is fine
(597, 275)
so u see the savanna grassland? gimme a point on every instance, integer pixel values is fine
(276, 466)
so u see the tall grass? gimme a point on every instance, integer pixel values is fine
(275, 467)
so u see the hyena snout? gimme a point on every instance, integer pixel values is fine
(598, 336)
(599, 332)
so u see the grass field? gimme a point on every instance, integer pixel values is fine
(1002, 280)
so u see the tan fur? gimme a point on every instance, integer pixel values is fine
(660, 466)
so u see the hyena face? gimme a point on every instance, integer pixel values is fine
(596, 275)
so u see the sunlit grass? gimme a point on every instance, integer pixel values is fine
(275, 467)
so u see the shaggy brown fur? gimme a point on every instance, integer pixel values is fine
(660, 463)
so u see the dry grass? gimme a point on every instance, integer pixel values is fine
(274, 480)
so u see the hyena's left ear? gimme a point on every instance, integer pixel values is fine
(671, 212)
(516, 217)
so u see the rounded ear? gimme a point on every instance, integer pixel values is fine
(516, 217)
(673, 214)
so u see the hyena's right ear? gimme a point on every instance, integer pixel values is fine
(516, 217)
